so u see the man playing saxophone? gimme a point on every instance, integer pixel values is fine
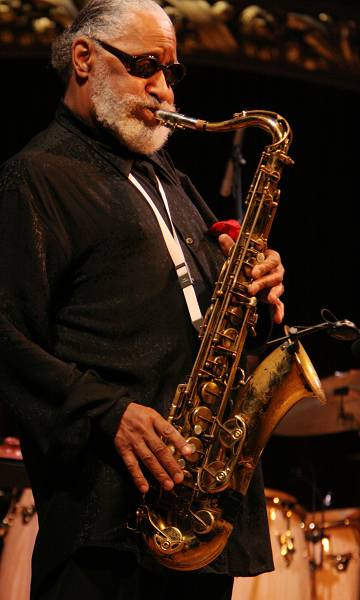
(106, 264)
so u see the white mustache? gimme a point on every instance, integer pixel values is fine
(154, 106)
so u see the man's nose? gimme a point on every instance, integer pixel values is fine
(157, 86)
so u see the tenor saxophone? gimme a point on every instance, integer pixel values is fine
(224, 414)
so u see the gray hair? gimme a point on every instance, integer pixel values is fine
(108, 18)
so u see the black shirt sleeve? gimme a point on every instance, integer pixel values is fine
(56, 403)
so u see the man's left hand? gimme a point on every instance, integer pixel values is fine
(267, 277)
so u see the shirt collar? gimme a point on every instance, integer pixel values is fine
(107, 144)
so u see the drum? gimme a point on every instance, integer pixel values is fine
(291, 577)
(334, 550)
(21, 526)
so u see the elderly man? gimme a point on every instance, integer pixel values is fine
(95, 330)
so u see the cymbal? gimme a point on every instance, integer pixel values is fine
(340, 413)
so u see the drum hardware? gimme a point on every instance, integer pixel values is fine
(321, 542)
(333, 537)
(340, 562)
(285, 539)
(9, 518)
(4, 527)
(11, 459)
(27, 513)
(290, 510)
(291, 577)
(343, 388)
(287, 547)
(15, 563)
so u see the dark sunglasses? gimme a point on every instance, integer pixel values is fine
(146, 66)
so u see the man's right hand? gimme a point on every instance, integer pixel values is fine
(142, 437)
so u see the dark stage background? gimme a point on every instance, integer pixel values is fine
(316, 228)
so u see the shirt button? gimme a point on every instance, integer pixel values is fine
(189, 241)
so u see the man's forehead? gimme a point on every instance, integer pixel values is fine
(150, 27)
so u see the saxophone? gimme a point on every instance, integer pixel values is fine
(226, 416)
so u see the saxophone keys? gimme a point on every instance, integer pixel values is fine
(214, 477)
(198, 450)
(203, 521)
(232, 432)
(236, 315)
(211, 392)
(260, 245)
(169, 540)
(217, 366)
(201, 419)
(287, 160)
(229, 336)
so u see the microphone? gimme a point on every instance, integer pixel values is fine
(344, 330)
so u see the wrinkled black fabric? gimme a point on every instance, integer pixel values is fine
(102, 574)
(91, 318)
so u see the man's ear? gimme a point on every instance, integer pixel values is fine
(82, 56)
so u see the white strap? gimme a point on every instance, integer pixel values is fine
(175, 251)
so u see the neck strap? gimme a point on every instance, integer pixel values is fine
(174, 248)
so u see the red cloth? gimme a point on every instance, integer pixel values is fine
(231, 227)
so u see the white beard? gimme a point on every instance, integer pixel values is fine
(118, 115)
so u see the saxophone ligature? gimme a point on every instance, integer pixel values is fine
(225, 415)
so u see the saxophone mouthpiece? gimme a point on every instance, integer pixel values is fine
(178, 121)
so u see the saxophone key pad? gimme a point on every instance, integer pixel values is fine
(198, 450)
(201, 419)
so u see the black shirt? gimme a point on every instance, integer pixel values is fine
(91, 318)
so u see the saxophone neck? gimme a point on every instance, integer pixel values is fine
(177, 121)
(271, 122)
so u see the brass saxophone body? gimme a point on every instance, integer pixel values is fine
(227, 416)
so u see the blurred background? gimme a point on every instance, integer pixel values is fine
(299, 59)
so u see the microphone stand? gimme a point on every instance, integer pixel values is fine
(343, 416)
(232, 181)
(341, 330)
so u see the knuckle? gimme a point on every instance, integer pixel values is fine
(169, 430)
(147, 458)
(130, 462)
(161, 449)
(170, 433)
(270, 252)
(159, 473)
